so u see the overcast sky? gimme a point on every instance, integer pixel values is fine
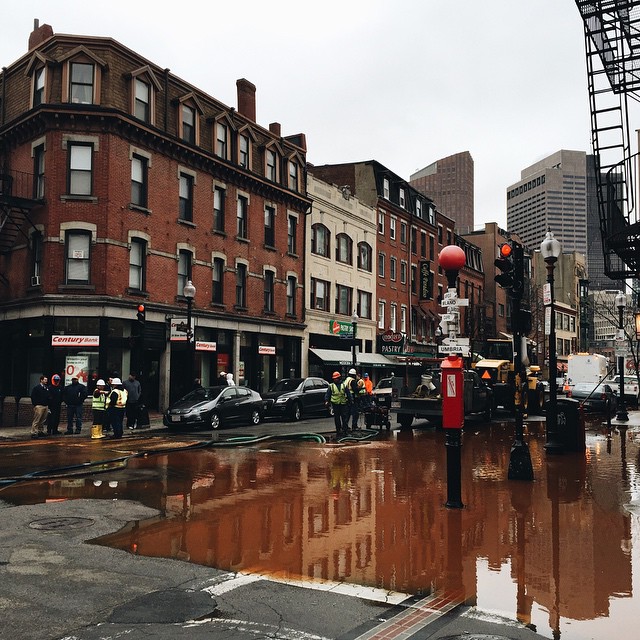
(404, 82)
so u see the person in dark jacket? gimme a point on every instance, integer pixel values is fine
(73, 396)
(40, 402)
(55, 402)
(134, 390)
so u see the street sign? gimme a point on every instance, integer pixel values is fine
(455, 302)
(454, 348)
(450, 295)
(458, 341)
(449, 317)
(547, 321)
(546, 294)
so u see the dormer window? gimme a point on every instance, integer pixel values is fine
(142, 100)
(143, 89)
(293, 176)
(222, 140)
(385, 188)
(81, 76)
(188, 118)
(38, 86)
(271, 168)
(81, 83)
(401, 198)
(243, 150)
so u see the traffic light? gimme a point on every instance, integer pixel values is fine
(505, 263)
(140, 316)
(518, 271)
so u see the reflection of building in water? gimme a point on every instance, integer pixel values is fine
(374, 515)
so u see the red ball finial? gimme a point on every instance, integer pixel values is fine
(452, 258)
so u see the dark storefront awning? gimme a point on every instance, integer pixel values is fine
(343, 358)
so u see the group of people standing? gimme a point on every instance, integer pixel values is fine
(348, 398)
(110, 402)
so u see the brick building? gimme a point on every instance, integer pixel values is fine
(120, 183)
(410, 234)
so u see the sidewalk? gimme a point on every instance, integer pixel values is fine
(23, 432)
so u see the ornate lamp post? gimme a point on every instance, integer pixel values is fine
(621, 303)
(551, 250)
(189, 292)
(354, 331)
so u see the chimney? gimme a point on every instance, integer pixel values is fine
(274, 127)
(246, 99)
(39, 34)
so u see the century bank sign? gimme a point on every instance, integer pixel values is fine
(75, 341)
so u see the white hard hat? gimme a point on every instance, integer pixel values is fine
(116, 381)
(352, 372)
(100, 382)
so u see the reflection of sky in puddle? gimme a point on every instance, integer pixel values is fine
(558, 552)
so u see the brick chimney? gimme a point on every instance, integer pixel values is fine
(39, 34)
(274, 127)
(246, 99)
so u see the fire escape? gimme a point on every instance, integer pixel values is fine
(612, 45)
(17, 200)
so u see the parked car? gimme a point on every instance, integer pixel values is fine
(215, 407)
(631, 388)
(293, 398)
(598, 400)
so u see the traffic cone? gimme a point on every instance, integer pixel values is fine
(96, 432)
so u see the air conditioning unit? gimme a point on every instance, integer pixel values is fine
(35, 281)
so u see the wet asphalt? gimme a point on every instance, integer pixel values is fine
(57, 585)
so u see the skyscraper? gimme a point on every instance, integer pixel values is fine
(449, 183)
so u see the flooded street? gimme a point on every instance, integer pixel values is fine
(558, 553)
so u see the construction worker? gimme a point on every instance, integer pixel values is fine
(115, 407)
(336, 396)
(98, 408)
(368, 384)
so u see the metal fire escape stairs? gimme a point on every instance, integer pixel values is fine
(15, 210)
(612, 45)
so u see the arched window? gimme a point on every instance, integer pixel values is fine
(320, 237)
(364, 256)
(344, 246)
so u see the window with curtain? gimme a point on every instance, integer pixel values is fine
(80, 169)
(81, 85)
(78, 256)
(137, 255)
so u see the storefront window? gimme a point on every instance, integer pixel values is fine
(76, 326)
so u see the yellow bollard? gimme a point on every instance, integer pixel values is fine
(96, 432)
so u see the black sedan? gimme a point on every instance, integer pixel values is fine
(215, 407)
(602, 398)
(294, 397)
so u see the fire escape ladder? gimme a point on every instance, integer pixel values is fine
(612, 45)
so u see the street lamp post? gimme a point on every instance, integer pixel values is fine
(189, 292)
(551, 250)
(354, 331)
(621, 303)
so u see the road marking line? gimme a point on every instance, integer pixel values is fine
(236, 580)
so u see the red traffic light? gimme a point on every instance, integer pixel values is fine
(505, 250)
(140, 308)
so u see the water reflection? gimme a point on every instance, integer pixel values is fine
(556, 553)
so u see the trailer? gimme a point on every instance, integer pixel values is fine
(426, 401)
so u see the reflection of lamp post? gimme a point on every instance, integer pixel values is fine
(621, 303)
(189, 292)
(550, 250)
(354, 331)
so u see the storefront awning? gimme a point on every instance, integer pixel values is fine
(343, 358)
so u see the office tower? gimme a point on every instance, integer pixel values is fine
(449, 183)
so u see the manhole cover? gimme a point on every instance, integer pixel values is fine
(58, 524)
